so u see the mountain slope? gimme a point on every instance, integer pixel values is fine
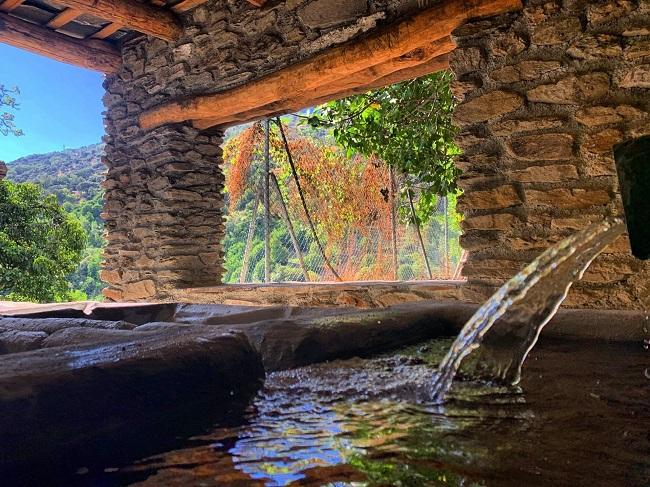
(71, 174)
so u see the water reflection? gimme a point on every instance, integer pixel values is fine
(337, 424)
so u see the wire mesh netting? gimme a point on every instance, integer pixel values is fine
(350, 201)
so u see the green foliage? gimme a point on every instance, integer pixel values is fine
(408, 125)
(40, 244)
(8, 99)
(74, 177)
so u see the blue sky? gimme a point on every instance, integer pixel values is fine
(60, 105)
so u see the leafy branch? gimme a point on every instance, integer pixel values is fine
(8, 99)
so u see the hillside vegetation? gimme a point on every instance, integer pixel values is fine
(74, 177)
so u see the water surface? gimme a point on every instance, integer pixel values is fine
(581, 416)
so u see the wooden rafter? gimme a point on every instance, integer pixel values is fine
(186, 5)
(63, 18)
(9, 5)
(423, 61)
(141, 17)
(347, 61)
(107, 31)
(90, 54)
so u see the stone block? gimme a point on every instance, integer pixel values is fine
(546, 174)
(513, 126)
(552, 147)
(507, 45)
(487, 107)
(565, 198)
(109, 276)
(556, 31)
(638, 51)
(502, 197)
(499, 221)
(525, 71)
(138, 290)
(326, 13)
(465, 60)
(601, 12)
(573, 90)
(635, 77)
(492, 268)
(589, 47)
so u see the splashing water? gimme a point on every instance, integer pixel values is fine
(522, 307)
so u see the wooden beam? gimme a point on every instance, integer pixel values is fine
(9, 5)
(107, 31)
(418, 63)
(90, 54)
(63, 18)
(257, 3)
(186, 5)
(142, 17)
(432, 24)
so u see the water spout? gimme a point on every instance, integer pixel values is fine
(522, 307)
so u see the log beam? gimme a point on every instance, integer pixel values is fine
(90, 54)
(432, 24)
(67, 15)
(9, 5)
(384, 75)
(107, 31)
(141, 17)
(186, 5)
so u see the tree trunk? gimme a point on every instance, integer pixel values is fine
(417, 228)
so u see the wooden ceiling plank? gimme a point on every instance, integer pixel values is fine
(142, 17)
(9, 5)
(328, 93)
(63, 18)
(90, 54)
(432, 24)
(186, 5)
(107, 31)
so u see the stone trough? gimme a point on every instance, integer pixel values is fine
(98, 380)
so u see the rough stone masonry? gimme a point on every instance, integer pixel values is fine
(163, 203)
(544, 95)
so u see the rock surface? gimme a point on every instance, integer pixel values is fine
(538, 133)
(66, 402)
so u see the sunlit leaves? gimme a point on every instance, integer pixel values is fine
(407, 125)
(40, 244)
(7, 99)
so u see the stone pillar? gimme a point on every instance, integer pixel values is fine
(3, 170)
(544, 94)
(163, 210)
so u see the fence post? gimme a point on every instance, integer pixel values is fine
(393, 218)
(267, 205)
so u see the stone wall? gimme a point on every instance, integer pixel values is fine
(544, 94)
(163, 189)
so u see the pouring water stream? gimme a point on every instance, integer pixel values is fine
(522, 307)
